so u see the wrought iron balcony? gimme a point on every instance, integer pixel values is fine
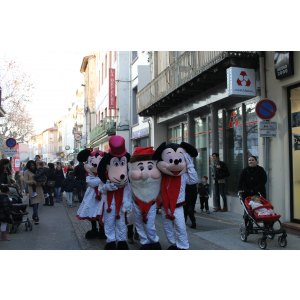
(191, 74)
(107, 126)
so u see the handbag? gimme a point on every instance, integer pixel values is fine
(51, 183)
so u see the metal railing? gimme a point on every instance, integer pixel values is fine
(186, 67)
(105, 126)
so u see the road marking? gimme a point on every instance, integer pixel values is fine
(214, 220)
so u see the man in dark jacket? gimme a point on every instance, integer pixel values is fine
(5, 211)
(190, 200)
(80, 174)
(69, 185)
(220, 171)
(50, 180)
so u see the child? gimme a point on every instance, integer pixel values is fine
(40, 176)
(69, 185)
(204, 194)
(5, 211)
(255, 202)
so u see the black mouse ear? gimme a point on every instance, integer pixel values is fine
(101, 170)
(191, 150)
(157, 154)
(83, 155)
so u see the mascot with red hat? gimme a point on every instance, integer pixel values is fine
(116, 193)
(176, 163)
(145, 181)
(92, 206)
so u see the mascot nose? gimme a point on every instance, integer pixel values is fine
(176, 161)
(122, 176)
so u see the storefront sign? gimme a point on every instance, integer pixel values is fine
(241, 82)
(140, 133)
(112, 89)
(266, 109)
(284, 64)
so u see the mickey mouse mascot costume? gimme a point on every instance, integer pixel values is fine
(176, 163)
(116, 193)
(91, 206)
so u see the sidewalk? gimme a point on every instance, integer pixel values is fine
(215, 231)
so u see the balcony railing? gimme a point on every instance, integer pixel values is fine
(189, 65)
(107, 126)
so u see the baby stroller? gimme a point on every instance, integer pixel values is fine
(18, 214)
(253, 224)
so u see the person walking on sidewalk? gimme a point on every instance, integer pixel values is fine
(50, 184)
(69, 185)
(5, 211)
(204, 194)
(220, 171)
(80, 174)
(29, 180)
(59, 180)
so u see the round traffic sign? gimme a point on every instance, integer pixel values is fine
(266, 109)
(68, 148)
(11, 142)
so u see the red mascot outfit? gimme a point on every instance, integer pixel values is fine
(91, 206)
(145, 181)
(116, 193)
(178, 170)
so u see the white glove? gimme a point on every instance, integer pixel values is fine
(109, 187)
(189, 161)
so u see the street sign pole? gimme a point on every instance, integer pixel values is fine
(267, 151)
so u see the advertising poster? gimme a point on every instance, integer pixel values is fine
(15, 164)
(296, 119)
(296, 142)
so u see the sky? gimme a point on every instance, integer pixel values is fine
(56, 77)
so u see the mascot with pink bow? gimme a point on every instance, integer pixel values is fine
(176, 163)
(116, 193)
(91, 207)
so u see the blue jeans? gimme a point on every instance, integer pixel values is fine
(57, 193)
(81, 188)
(35, 210)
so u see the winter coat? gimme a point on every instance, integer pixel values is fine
(41, 174)
(68, 171)
(204, 190)
(51, 174)
(59, 178)
(80, 172)
(191, 193)
(3, 178)
(21, 183)
(253, 179)
(28, 177)
(5, 208)
(220, 174)
(69, 184)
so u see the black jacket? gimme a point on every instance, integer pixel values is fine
(253, 179)
(51, 174)
(59, 178)
(203, 190)
(3, 178)
(222, 172)
(5, 208)
(69, 184)
(80, 172)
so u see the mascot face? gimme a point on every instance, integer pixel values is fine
(93, 162)
(171, 159)
(142, 170)
(117, 171)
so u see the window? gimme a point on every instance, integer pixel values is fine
(174, 135)
(134, 56)
(185, 133)
(105, 65)
(251, 130)
(110, 59)
(105, 112)
(133, 107)
(234, 147)
(102, 116)
(115, 56)
(99, 80)
(201, 146)
(102, 73)
(220, 133)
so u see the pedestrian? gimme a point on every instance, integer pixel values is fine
(69, 169)
(59, 179)
(29, 179)
(65, 169)
(190, 200)
(37, 158)
(40, 177)
(5, 211)
(20, 181)
(219, 172)
(252, 179)
(4, 172)
(50, 184)
(69, 185)
(204, 194)
(80, 174)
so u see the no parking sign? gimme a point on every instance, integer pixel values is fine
(266, 109)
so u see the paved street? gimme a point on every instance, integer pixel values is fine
(59, 229)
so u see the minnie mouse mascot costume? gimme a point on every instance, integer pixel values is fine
(116, 193)
(176, 163)
(92, 206)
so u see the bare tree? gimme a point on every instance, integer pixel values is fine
(17, 91)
